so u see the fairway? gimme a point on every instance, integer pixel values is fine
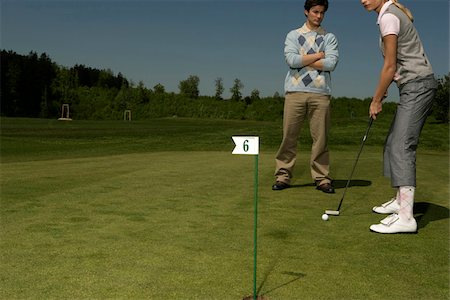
(96, 216)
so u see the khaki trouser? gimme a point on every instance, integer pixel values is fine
(297, 107)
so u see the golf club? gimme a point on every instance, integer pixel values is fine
(336, 212)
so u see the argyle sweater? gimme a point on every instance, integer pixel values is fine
(301, 78)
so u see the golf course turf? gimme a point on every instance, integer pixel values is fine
(161, 209)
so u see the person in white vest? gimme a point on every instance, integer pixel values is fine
(406, 63)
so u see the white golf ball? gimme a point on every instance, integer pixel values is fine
(325, 217)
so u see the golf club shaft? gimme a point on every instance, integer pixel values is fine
(356, 161)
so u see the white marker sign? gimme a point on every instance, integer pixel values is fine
(246, 145)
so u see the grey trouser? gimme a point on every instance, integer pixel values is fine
(299, 106)
(416, 99)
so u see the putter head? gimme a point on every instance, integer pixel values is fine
(332, 212)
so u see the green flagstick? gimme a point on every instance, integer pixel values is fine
(255, 231)
(250, 145)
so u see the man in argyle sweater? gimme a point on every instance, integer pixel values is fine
(311, 54)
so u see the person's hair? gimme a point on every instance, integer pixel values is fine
(404, 9)
(311, 3)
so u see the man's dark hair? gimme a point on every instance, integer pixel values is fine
(311, 3)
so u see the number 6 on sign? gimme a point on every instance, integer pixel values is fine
(246, 145)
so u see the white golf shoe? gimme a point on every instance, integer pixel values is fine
(389, 207)
(394, 224)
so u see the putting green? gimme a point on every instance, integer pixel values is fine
(179, 225)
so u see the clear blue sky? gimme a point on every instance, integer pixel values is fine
(166, 41)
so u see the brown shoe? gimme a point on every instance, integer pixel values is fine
(326, 188)
(279, 185)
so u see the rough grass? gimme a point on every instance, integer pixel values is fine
(85, 218)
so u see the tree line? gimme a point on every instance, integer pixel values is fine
(34, 86)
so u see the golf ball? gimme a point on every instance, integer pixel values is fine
(325, 217)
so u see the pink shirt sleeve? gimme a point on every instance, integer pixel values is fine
(389, 24)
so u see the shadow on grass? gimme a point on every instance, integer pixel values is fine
(425, 213)
(302, 185)
(338, 184)
(294, 277)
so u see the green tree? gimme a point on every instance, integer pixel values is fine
(10, 91)
(255, 95)
(189, 87)
(219, 88)
(441, 100)
(143, 94)
(64, 87)
(236, 90)
(106, 79)
(159, 89)
(25, 81)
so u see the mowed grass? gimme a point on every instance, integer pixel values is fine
(162, 209)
